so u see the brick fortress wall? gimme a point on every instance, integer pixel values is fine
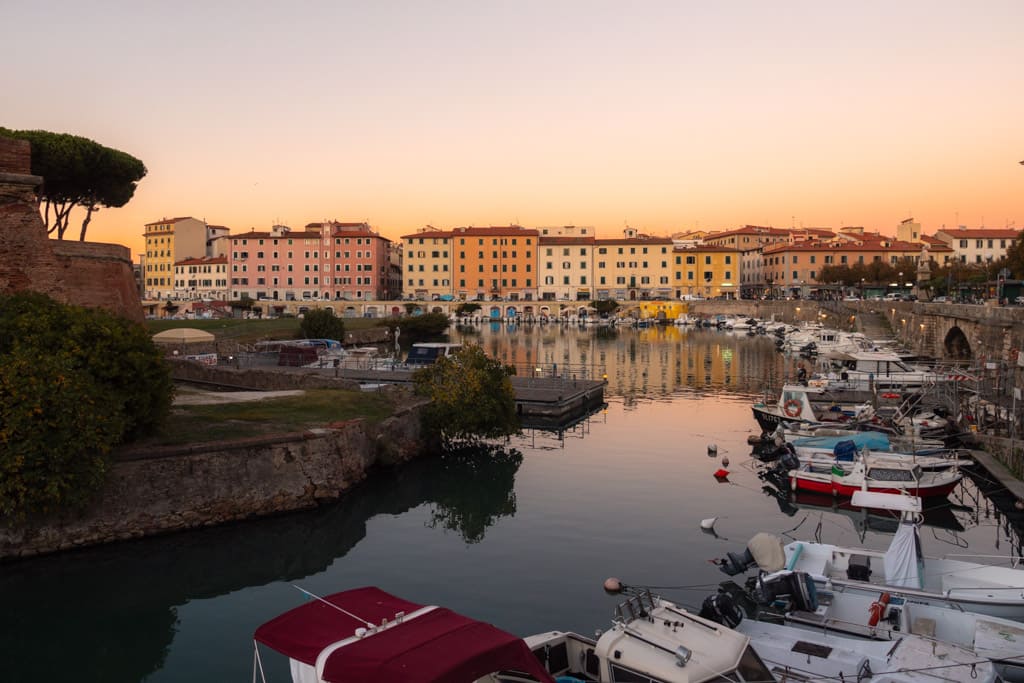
(83, 273)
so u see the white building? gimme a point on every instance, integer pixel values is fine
(981, 245)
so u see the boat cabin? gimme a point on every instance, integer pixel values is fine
(428, 353)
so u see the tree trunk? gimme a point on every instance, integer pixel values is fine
(85, 223)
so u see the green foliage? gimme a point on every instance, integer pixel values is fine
(1015, 257)
(418, 327)
(605, 306)
(471, 397)
(77, 171)
(75, 383)
(467, 308)
(322, 324)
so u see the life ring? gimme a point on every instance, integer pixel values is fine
(791, 407)
(877, 609)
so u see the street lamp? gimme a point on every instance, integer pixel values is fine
(862, 288)
(900, 281)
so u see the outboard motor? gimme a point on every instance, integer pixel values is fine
(736, 563)
(788, 459)
(788, 590)
(721, 609)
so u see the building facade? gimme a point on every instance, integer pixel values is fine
(427, 264)
(706, 271)
(202, 279)
(495, 263)
(168, 241)
(565, 264)
(978, 246)
(633, 267)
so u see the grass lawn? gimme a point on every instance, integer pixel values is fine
(247, 331)
(315, 408)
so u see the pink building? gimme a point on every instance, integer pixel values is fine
(326, 261)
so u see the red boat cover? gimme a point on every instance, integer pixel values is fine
(438, 646)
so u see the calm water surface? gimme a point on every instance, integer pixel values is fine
(522, 539)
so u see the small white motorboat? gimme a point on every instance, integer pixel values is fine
(902, 571)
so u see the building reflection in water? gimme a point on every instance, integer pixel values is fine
(658, 360)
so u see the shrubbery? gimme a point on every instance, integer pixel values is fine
(418, 328)
(74, 383)
(471, 397)
(322, 324)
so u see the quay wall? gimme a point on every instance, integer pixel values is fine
(159, 490)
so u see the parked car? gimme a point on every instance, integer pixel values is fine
(942, 300)
(1019, 301)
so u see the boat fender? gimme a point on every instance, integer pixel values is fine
(877, 609)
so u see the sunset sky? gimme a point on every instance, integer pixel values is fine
(667, 116)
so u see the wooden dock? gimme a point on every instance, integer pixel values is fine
(540, 401)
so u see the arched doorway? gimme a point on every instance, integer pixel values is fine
(956, 345)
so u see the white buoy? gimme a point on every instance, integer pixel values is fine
(712, 450)
(708, 524)
(725, 461)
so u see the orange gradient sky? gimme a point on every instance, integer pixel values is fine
(668, 116)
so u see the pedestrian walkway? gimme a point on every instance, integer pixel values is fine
(874, 325)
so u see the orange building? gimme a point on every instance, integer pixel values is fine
(495, 263)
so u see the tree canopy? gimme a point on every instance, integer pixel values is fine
(78, 171)
(471, 397)
(322, 324)
(74, 383)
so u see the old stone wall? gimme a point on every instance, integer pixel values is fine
(83, 273)
(155, 491)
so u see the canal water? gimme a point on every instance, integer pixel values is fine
(521, 536)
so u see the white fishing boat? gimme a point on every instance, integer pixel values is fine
(809, 406)
(875, 474)
(902, 571)
(871, 614)
(864, 370)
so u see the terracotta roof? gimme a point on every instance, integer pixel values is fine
(980, 233)
(710, 248)
(506, 231)
(867, 243)
(639, 239)
(170, 220)
(429, 234)
(271, 236)
(209, 260)
(560, 239)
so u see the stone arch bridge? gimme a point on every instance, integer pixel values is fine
(952, 331)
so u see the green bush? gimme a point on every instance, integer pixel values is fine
(418, 328)
(74, 383)
(322, 324)
(471, 397)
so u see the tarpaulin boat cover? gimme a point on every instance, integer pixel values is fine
(903, 559)
(767, 551)
(875, 441)
(428, 645)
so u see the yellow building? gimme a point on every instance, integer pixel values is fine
(427, 264)
(168, 241)
(706, 271)
(633, 267)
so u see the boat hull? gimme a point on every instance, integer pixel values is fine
(807, 481)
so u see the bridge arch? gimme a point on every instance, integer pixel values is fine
(956, 345)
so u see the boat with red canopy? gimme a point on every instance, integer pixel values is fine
(366, 634)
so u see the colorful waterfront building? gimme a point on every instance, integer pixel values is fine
(491, 263)
(706, 271)
(565, 263)
(633, 267)
(978, 245)
(168, 241)
(202, 279)
(326, 261)
(427, 264)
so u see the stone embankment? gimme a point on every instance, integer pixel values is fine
(161, 490)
